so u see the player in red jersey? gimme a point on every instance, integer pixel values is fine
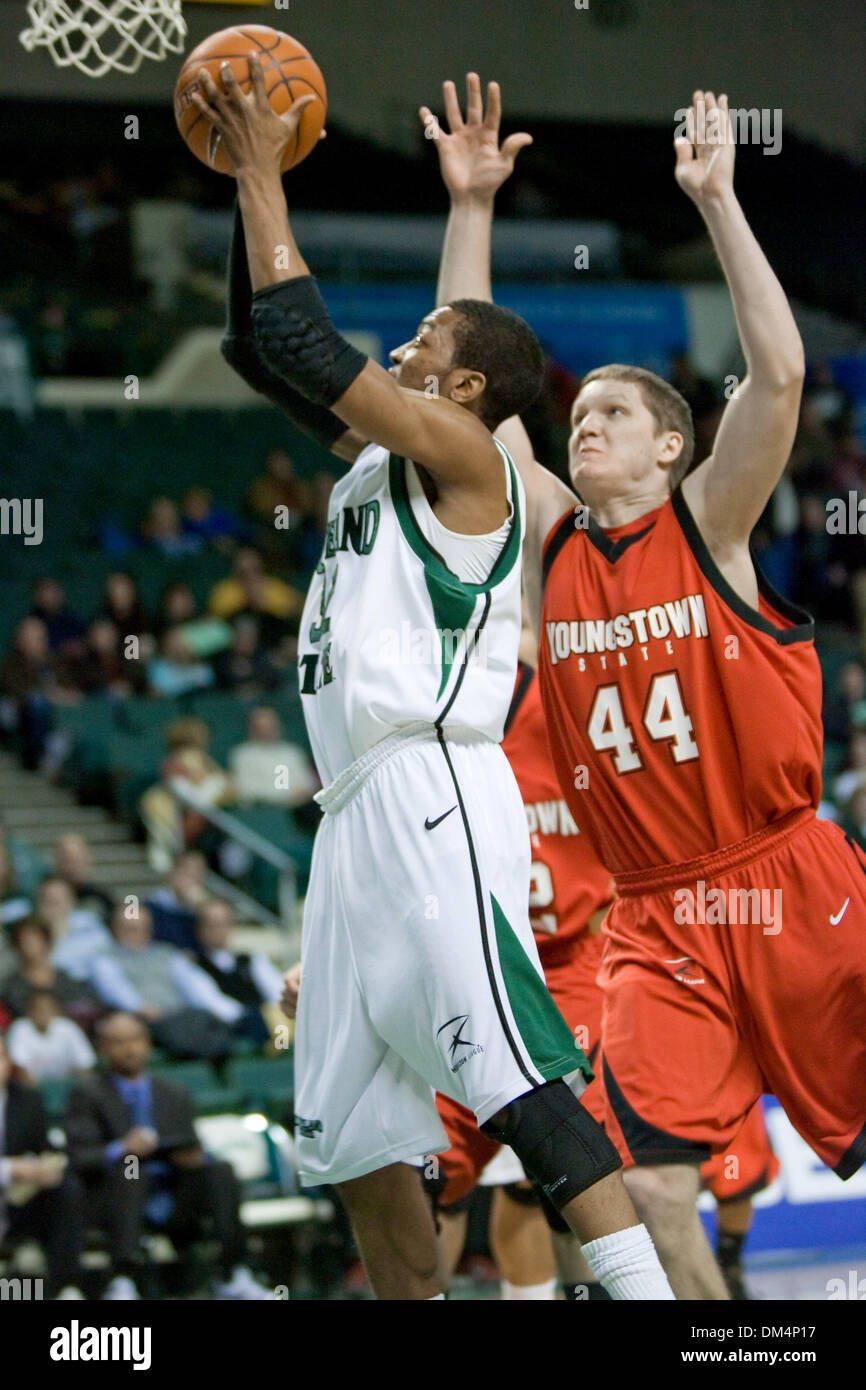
(570, 893)
(683, 702)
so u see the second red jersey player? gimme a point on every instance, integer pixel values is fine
(570, 891)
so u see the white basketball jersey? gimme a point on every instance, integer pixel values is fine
(390, 636)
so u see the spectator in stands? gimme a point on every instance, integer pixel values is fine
(268, 768)
(124, 1111)
(45, 1045)
(28, 680)
(174, 907)
(248, 589)
(175, 671)
(104, 667)
(188, 1014)
(822, 574)
(29, 866)
(177, 605)
(53, 340)
(162, 530)
(846, 706)
(212, 525)
(310, 536)
(253, 980)
(277, 487)
(813, 447)
(65, 628)
(78, 934)
(854, 820)
(122, 606)
(829, 401)
(33, 942)
(43, 1200)
(13, 903)
(853, 774)
(73, 862)
(245, 668)
(191, 771)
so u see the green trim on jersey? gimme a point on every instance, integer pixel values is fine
(544, 1032)
(453, 599)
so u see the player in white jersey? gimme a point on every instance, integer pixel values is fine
(420, 969)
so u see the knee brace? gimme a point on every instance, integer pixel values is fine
(558, 1142)
(295, 338)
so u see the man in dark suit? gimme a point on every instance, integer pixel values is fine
(132, 1139)
(39, 1199)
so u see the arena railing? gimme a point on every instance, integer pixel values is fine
(279, 859)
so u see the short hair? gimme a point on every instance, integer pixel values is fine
(29, 923)
(669, 409)
(102, 1024)
(493, 340)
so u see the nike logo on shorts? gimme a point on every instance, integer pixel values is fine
(432, 824)
(835, 920)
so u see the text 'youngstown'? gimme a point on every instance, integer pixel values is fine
(682, 617)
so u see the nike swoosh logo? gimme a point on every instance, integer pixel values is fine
(432, 824)
(834, 921)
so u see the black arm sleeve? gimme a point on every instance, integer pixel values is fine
(239, 351)
(295, 338)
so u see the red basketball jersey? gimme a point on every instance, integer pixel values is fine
(680, 719)
(568, 884)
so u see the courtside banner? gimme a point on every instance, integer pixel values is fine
(807, 1208)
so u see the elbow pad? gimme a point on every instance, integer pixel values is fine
(315, 421)
(296, 340)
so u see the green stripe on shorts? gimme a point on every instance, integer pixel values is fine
(544, 1032)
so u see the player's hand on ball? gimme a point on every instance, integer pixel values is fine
(291, 990)
(705, 158)
(471, 160)
(252, 134)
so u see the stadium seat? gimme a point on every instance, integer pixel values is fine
(266, 1084)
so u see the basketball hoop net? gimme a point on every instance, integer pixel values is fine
(99, 36)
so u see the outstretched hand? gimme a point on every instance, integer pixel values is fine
(252, 134)
(472, 162)
(705, 155)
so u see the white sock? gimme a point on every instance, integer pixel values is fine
(627, 1265)
(546, 1290)
(435, 1297)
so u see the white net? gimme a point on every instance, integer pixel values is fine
(99, 36)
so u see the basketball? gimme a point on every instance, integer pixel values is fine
(289, 72)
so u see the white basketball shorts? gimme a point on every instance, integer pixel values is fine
(419, 970)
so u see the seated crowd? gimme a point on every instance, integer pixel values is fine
(88, 987)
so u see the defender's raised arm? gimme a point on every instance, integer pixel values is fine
(728, 492)
(474, 167)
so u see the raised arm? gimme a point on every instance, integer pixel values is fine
(293, 334)
(239, 350)
(730, 489)
(474, 166)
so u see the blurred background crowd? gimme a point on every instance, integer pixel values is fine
(156, 785)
